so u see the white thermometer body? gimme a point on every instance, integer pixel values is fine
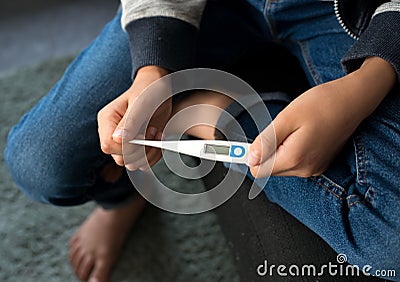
(217, 150)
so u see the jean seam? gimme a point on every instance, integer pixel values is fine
(355, 202)
(323, 180)
(360, 159)
(269, 21)
(368, 199)
(370, 195)
(266, 4)
(353, 199)
(307, 59)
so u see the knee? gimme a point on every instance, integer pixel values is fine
(13, 157)
(34, 168)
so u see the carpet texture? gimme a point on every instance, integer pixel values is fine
(34, 237)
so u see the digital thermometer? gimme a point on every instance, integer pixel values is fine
(216, 150)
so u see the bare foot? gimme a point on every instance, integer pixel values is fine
(96, 245)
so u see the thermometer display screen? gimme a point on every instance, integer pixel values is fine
(216, 149)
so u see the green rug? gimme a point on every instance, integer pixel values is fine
(34, 237)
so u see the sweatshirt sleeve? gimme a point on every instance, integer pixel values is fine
(381, 38)
(162, 32)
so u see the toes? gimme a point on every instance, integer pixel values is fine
(73, 252)
(77, 261)
(85, 267)
(101, 271)
(73, 239)
(80, 261)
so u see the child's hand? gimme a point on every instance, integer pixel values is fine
(127, 113)
(312, 129)
(309, 133)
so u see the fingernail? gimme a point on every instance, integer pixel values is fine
(254, 157)
(93, 279)
(152, 131)
(119, 132)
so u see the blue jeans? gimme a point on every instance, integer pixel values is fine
(355, 205)
(53, 153)
(54, 156)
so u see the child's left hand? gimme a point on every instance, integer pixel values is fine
(312, 129)
(309, 133)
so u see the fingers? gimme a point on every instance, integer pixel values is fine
(108, 119)
(262, 151)
(119, 132)
(263, 146)
(288, 155)
(148, 157)
(153, 155)
(263, 169)
(118, 159)
(127, 116)
(297, 155)
(135, 155)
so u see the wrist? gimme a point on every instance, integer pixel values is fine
(146, 76)
(369, 85)
(152, 71)
(377, 75)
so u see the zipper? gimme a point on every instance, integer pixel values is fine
(340, 20)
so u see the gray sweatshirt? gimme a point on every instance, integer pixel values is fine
(163, 33)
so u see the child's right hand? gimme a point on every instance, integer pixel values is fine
(125, 117)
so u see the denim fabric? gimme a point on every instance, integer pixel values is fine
(54, 156)
(354, 206)
(53, 153)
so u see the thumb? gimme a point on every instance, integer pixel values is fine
(268, 140)
(120, 132)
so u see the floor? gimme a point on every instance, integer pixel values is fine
(32, 31)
